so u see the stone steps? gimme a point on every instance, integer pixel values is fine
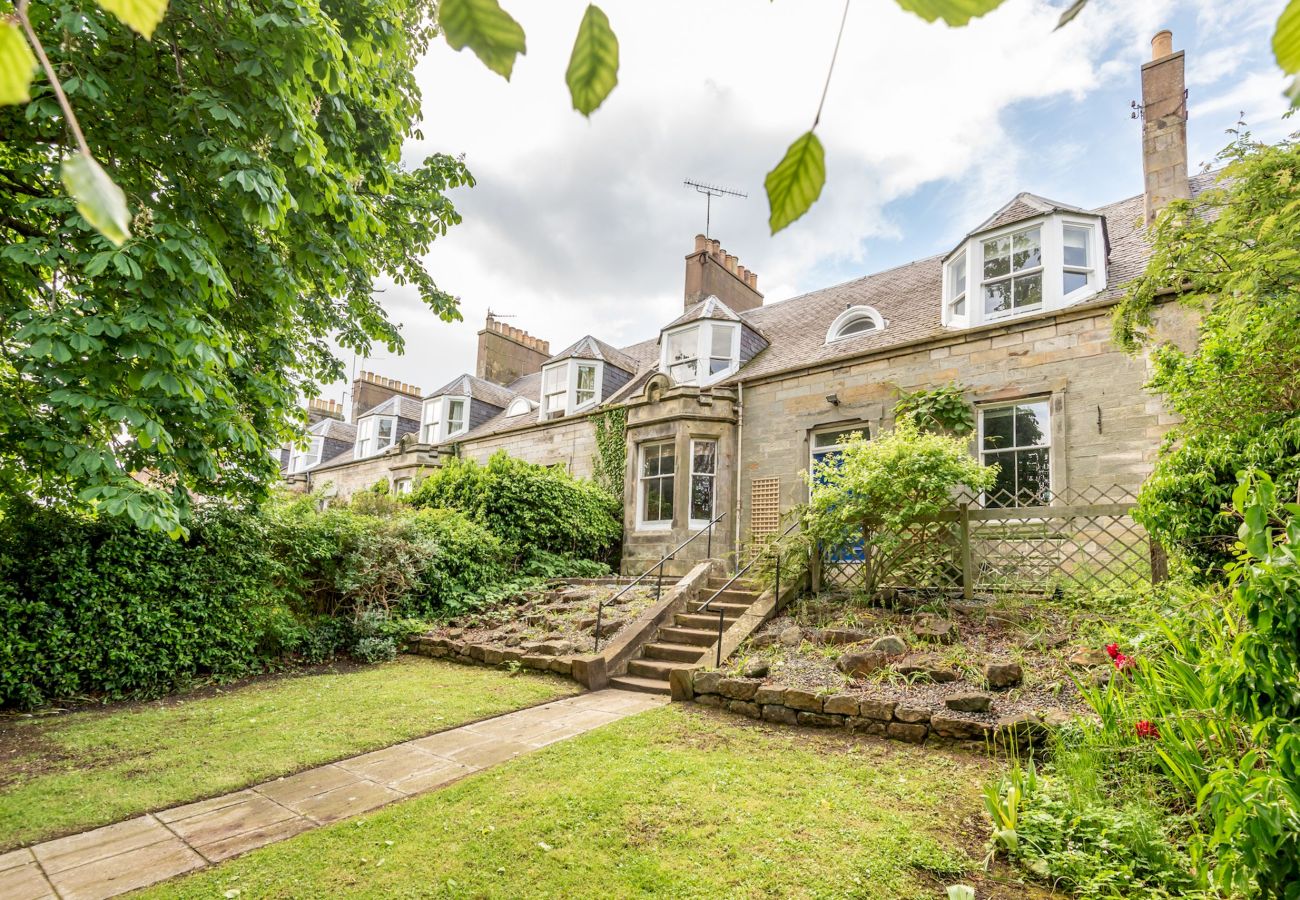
(705, 621)
(687, 653)
(636, 683)
(696, 637)
(655, 668)
(732, 609)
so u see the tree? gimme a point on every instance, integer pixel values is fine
(259, 150)
(1231, 254)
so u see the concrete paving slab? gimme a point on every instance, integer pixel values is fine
(201, 807)
(21, 878)
(391, 763)
(101, 843)
(485, 755)
(447, 743)
(253, 811)
(233, 845)
(345, 802)
(297, 788)
(136, 868)
(421, 782)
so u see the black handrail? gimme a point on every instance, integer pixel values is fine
(703, 607)
(659, 579)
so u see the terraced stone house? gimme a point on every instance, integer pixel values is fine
(735, 397)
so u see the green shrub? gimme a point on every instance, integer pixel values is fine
(529, 507)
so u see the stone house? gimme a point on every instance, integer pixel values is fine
(731, 401)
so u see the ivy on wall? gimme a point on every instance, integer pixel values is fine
(610, 462)
(941, 410)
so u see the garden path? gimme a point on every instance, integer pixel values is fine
(118, 858)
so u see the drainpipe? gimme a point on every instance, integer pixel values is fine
(740, 444)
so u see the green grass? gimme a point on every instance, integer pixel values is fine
(68, 772)
(676, 802)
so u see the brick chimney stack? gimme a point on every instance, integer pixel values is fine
(369, 390)
(505, 353)
(712, 271)
(1164, 126)
(318, 409)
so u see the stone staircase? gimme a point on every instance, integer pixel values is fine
(682, 645)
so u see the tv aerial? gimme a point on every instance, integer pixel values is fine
(710, 191)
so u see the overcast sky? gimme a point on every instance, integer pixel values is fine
(580, 226)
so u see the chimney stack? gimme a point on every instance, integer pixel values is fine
(1164, 126)
(369, 390)
(505, 353)
(712, 271)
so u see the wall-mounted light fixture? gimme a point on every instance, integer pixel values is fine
(833, 399)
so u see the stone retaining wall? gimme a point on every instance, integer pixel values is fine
(484, 655)
(861, 715)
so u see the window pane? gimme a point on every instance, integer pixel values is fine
(1028, 290)
(717, 365)
(958, 276)
(1072, 281)
(704, 457)
(857, 326)
(456, 415)
(835, 438)
(385, 430)
(667, 461)
(1026, 251)
(554, 379)
(683, 345)
(1076, 246)
(701, 497)
(683, 373)
(999, 430)
(650, 501)
(720, 341)
(1031, 424)
(959, 308)
(650, 462)
(1033, 478)
(1003, 491)
(587, 378)
(997, 297)
(997, 257)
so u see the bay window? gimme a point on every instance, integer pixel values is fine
(444, 418)
(656, 476)
(1043, 264)
(570, 385)
(375, 434)
(702, 352)
(1017, 438)
(704, 477)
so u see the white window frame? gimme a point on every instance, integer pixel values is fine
(402, 485)
(448, 430)
(703, 333)
(569, 382)
(312, 455)
(984, 408)
(838, 446)
(1013, 274)
(956, 287)
(1090, 265)
(368, 435)
(436, 422)
(848, 317)
(520, 406)
(430, 416)
(713, 484)
(641, 478)
(1052, 250)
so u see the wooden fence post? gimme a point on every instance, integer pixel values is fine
(816, 568)
(967, 569)
(1159, 561)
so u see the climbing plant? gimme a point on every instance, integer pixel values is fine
(941, 410)
(610, 463)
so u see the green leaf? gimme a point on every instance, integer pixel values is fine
(142, 16)
(954, 12)
(484, 27)
(99, 200)
(1286, 47)
(16, 65)
(593, 66)
(796, 182)
(1068, 16)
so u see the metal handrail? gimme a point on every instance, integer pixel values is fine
(703, 607)
(659, 578)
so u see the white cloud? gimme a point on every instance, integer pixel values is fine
(580, 226)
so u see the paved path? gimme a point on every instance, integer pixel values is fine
(138, 852)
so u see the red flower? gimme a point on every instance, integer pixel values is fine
(1124, 663)
(1148, 731)
(1113, 650)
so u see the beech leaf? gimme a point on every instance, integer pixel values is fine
(142, 16)
(16, 65)
(954, 12)
(484, 27)
(796, 182)
(593, 66)
(99, 200)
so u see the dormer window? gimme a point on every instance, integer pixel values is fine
(375, 434)
(701, 353)
(519, 406)
(854, 321)
(444, 418)
(300, 460)
(1030, 266)
(569, 386)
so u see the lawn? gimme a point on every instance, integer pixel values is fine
(676, 802)
(68, 772)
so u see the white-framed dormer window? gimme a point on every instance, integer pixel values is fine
(519, 406)
(854, 321)
(1043, 264)
(656, 483)
(570, 385)
(375, 434)
(701, 353)
(444, 418)
(300, 459)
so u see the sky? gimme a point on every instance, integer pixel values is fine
(580, 226)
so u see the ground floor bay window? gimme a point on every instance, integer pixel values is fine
(1017, 438)
(656, 477)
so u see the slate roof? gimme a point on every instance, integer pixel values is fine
(907, 297)
(476, 389)
(335, 429)
(397, 405)
(589, 347)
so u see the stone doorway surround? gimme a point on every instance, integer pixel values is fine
(125, 856)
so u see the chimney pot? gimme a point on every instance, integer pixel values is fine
(731, 264)
(753, 280)
(1162, 44)
(700, 242)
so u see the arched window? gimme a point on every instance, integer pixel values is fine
(519, 406)
(854, 321)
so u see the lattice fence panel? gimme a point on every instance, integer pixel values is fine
(764, 506)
